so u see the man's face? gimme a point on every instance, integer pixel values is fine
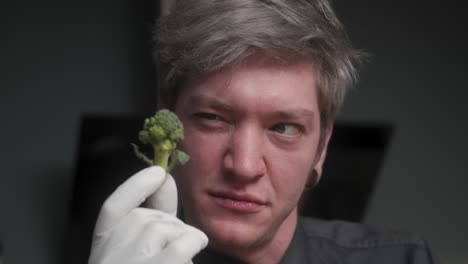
(252, 134)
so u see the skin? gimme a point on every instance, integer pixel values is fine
(251, 131)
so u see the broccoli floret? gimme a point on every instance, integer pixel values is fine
(162, 131)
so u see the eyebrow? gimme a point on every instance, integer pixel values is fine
(294, 114)
(209, 101)
(216, 103)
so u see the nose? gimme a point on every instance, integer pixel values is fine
(244, 159)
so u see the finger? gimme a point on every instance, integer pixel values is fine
(183, 248)
(123, 234)
(150, 241)
(130, 227)
(140, 228)
(128, 196)
(156, 237)
(165, 199)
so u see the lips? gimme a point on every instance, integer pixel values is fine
(238, 202)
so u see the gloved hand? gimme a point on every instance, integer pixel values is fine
(128, 234)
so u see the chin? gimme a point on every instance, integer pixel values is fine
(230, 234)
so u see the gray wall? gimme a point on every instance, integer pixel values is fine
(59, 60)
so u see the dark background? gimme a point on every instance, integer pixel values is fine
(60, 60)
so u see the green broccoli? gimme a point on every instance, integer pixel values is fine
(162, 131)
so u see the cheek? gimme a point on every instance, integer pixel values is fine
(291, 171)
(205, 153)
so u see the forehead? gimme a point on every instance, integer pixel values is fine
(259, 73)
(257, 85)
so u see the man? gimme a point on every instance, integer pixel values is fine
(256, 84)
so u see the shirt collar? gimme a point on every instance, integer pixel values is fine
(299, 252)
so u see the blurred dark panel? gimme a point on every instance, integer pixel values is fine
(105, 160)
(355, 155)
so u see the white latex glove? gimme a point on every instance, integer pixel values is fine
(128, 234)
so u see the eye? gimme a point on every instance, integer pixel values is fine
(285, 129)
(209, 122)
(207, 116)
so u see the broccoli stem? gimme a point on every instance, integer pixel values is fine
(161, 157)
(140, 155)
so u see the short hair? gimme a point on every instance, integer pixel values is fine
(203, 36)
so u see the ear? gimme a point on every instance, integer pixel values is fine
(319, 165)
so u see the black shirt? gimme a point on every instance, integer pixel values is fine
(338, 242)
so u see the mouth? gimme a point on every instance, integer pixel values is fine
(238, 202)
